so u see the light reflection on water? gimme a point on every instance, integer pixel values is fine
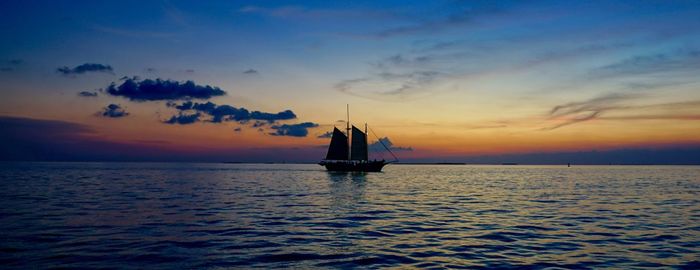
(152, 215)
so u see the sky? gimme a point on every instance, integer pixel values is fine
(438, 81)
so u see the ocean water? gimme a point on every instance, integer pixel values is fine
(179, 215)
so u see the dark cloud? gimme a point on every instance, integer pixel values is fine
(149, 90)
(250, 71)
(272, 117)
(15, 62)
(191, 112)
(150, 70)
(189, 71)
(6, 69)
(293, 130)
(84, 68)
(113, 111)
(183, 119)
(222, 113)
(378, 147)
(326, 135)
(87, 94)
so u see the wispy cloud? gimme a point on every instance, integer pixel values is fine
(384, 85)
(597, 104)
(87, 94)
(304, 13)
(250, 72)
(11, 65)
(85, 68)
(595, 108)
(463, 16)
(676, 61)
(131, 33)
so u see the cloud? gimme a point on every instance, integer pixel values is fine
(326, 135)
(85, 68)
(676, 61)
(130, 33)
(150, 70)
(113, 111)
(597, 104)
(378, 147)
(223, 113)
(463, 16)
(183, 119)
(250, 71)
(293, 130)
(150, 90)
(302, 13)
(390, 84)
(12, 65)
(576, 112)
(87, 94)
(588, 116)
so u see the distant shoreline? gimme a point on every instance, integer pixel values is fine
(510, 164)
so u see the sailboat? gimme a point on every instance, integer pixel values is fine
(350, 154)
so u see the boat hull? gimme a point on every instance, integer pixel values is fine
(350, 166)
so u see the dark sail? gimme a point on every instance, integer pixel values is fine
(339, 146)
(359, 145)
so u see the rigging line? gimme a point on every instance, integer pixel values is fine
(387, 148)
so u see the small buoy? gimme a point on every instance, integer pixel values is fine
(568, 164)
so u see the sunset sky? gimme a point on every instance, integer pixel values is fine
(443, 80)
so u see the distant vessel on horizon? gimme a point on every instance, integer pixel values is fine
(352, 157)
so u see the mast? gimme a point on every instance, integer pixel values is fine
(348, 128)
(366, 142)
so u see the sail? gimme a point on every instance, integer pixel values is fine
(338, 149)
(359, 145)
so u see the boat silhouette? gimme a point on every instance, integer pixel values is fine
(349, 153)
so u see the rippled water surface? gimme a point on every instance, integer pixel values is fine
(265, 216)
